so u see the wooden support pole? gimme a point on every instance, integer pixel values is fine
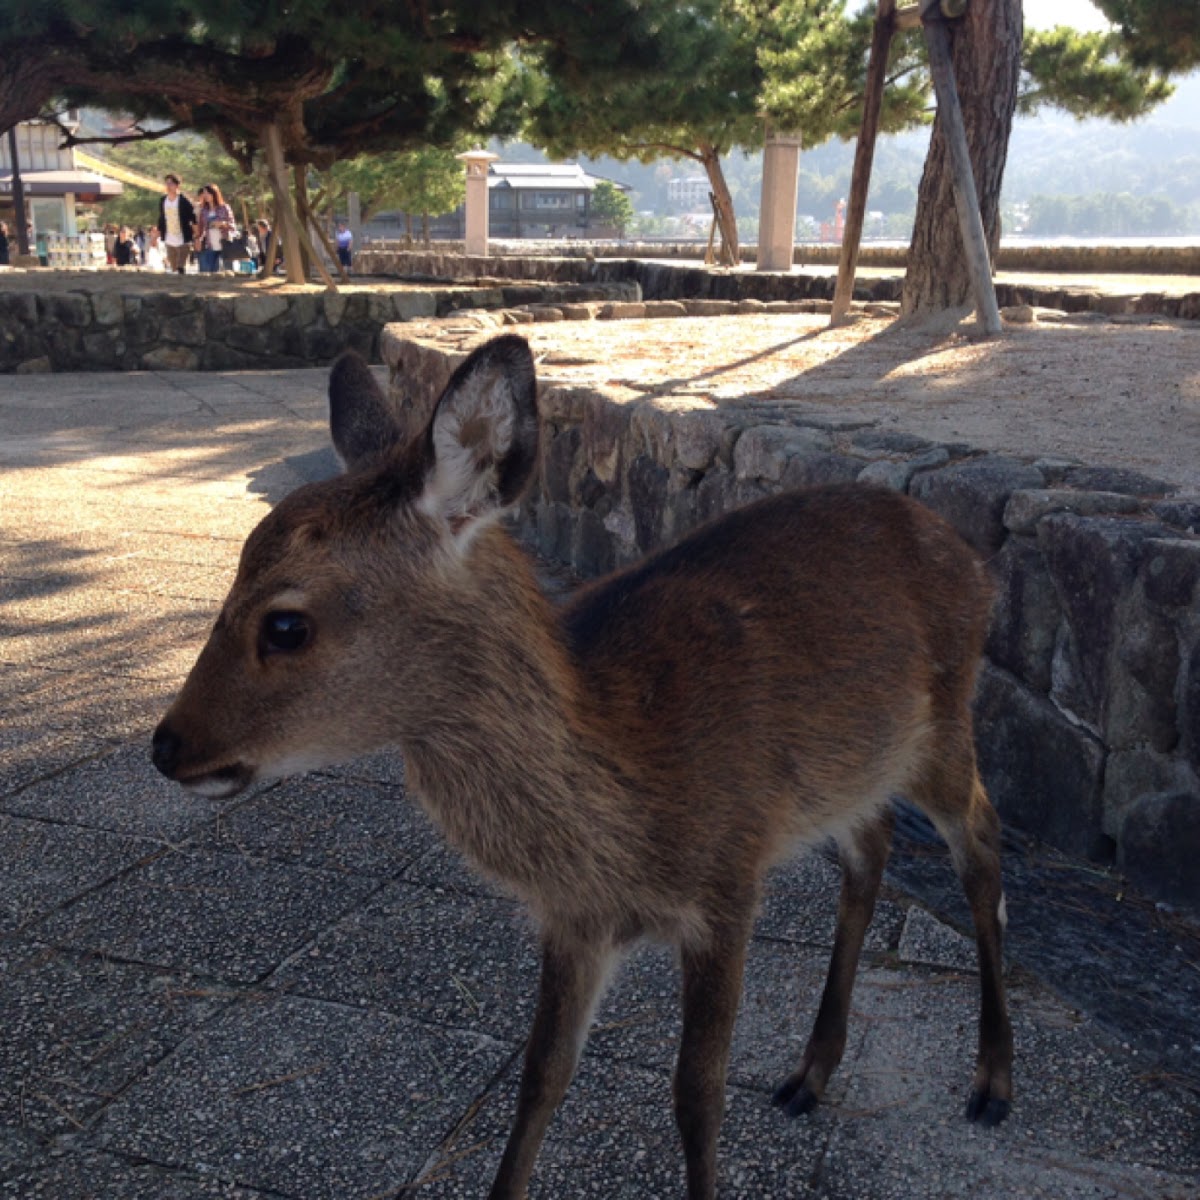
(333, 258)
(864, 156)
(966, 199)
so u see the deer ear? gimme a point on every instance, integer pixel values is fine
(362, 423)
(483, 437)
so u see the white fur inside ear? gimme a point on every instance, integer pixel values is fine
(472, 432)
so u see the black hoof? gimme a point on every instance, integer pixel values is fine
(794, 1098)
(986, 1110)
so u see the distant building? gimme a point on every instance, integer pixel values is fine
(56, 181)
(533, 200)
(687, 193)
(541, 200)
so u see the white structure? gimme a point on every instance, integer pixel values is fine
(688, 192)
(777, 211)
(55, 180)
(476, 162)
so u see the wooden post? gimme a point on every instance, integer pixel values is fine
(966, 199)
(864, 156)
(329, 250)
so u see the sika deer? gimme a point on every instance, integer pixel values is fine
(629, 765)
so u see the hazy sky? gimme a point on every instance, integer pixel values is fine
(1045, 14)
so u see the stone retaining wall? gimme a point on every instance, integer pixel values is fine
(1095, 260)
(667, 281)
(104, 329)
(1089, 701)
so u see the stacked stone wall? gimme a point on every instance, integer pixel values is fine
(99, 328)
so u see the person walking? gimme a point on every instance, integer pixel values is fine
(176, 224)
(345, 240)
(215, 226)
(4, 251)
(125, 249)
(156, 254)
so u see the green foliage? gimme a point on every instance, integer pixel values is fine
(428, 181)
(1106, 214)
(196, 159)
(1083, 74)
(611, 206)
(1163, 34)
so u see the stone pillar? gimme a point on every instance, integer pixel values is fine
(477, 162)
(777, 211)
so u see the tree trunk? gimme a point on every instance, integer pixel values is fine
(286, 223)
(987, 62)
(731, 252)
(303, 212)
(425, 230)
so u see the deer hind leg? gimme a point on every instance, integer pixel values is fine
(863, 853)
(951, 793)
(572, 981)
(712, 989)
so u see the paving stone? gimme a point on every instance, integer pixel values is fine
(77, 1031)
(43, 866)
(93, 1176)
(615, 1137)
(801, 906)
(29, 753)
(927, 940)
(220, 915)
(466, 962)
(120, 792)
(304, 1099)
(330, 823)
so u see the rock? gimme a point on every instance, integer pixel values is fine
(1042, 772)
(258, 310)
(517, 316)
(619, 311)
(108, 308)
(1026, 508)
(170, 358)
(335, 308)
(1025, 614)
(1117, 479)
(1158, 844)
(972, 496)
(1018, 314)
(35, 366)
(665, 308)
(414, 306)
(762, 452)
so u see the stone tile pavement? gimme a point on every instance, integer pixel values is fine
(302, 993)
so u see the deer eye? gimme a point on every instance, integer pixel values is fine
(284, 632)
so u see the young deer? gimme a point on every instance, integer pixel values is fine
(629, 765)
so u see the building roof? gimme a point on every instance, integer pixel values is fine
(544, 177)
(59, 183)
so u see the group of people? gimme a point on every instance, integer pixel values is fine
(206, 228)
(209, 229)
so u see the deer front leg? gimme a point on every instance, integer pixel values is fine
(712, 988)
(864, 855)
(573, 977)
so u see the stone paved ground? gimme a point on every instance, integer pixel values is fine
(301, 994)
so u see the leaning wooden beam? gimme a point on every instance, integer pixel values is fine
(329, 250)
(864, 156)
(966, 199)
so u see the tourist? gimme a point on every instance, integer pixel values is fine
(214, 227)
(345, 239)
(155, 258)
(266, 240)
(4, 259)
(125, 252)
(176, 224)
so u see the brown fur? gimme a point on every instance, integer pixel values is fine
(632, 764)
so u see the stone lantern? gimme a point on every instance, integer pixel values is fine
(777, 210)
(477, 162)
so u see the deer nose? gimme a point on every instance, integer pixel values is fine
(164, 749)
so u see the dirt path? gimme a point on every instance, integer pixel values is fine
(1103, 392)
